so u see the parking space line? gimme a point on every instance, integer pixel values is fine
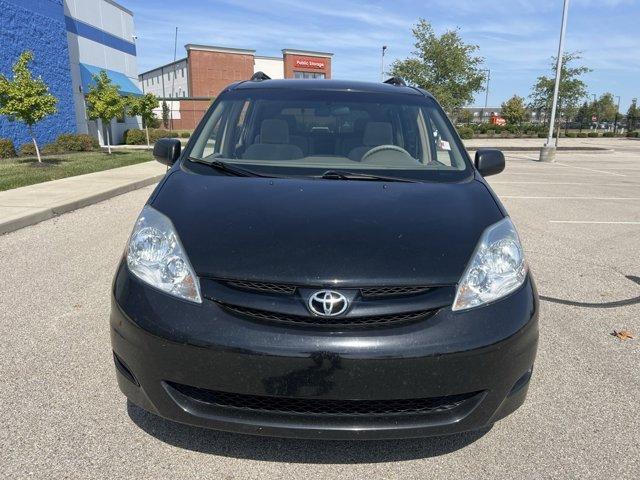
(594, 222)
(567, 183)
(526, 197)
(590, 169)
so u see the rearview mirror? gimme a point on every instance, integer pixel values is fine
(489, 161)
(167, 150)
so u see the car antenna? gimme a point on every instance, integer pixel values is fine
(397, 81)
(260, 76)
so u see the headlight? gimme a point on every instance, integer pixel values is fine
(496, 269)
(156, 256)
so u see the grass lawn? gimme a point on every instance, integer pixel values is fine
(18, 172)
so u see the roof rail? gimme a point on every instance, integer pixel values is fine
(397, 81)
(259, 76)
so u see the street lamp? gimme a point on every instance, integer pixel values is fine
(486, 96)
(384, 49)
(548, 151)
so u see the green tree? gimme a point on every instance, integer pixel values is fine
(165, 114)
(465, 116)
(144, 106)
(633, 115)
(572, 88)
(583, 114)
(514, 110)
(606, 107)
(25, 98)
(444, 65)
(104, 102)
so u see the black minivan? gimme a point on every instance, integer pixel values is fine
(324, 260)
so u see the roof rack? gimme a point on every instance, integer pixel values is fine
(397, 81)
(259, 76)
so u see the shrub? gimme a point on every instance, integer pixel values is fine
(542, 135)
(89, 143)
(593, 135)
(571, 135)
(490, 132)
(466, 133)
(72, 142)
(51, 149)
(7, 150)
(633, 134)
(187, 134)
(582, 135)
(135, 136)
(157, 133)
(27, 150)
(608, 134)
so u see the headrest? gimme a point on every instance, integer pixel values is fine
(360, 124)
(274, 130)
(377, 133)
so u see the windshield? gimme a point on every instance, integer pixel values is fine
(306, 133)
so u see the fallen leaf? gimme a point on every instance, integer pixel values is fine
(623, 334)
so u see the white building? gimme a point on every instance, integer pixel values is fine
(101, 36)
(167, 81)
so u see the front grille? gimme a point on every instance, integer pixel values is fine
(377, 292)
(368, 292)
(373, 321)
(263, 287)
(303, 406)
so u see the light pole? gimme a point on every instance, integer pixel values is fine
(384, 49)
(548, 151)
(615, 124)
(486, 96)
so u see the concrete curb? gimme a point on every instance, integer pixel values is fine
(64, 207)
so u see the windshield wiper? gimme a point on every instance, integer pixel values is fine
(347, 175)
(231, 169)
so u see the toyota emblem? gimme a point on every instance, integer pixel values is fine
(328, 303)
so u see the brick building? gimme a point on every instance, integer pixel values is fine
(188, 85)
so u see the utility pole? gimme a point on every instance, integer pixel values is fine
(615, 124)
(486, 96)
(548, 151)
(384, 49)
(173, 80)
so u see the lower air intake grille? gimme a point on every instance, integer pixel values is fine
(302, 406)
(378, 321)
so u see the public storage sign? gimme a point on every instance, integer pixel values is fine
(306, 62)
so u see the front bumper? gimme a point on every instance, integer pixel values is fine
(199, 365)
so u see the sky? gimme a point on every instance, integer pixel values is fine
(517, 38)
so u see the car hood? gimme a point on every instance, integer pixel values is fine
(327, 232)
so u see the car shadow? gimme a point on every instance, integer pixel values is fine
(294, 450)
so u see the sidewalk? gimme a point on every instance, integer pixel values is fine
(25, 206)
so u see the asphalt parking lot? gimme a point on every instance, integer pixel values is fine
(62, 415)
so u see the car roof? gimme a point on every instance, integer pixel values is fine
(328, 85)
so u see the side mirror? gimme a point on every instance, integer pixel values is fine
(489, 161)
(167, 150)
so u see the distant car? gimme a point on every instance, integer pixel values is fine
(324, 260)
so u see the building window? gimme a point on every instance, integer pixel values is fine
(308, 75)
(182, 71)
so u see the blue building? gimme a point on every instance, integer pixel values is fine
(71, 41)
